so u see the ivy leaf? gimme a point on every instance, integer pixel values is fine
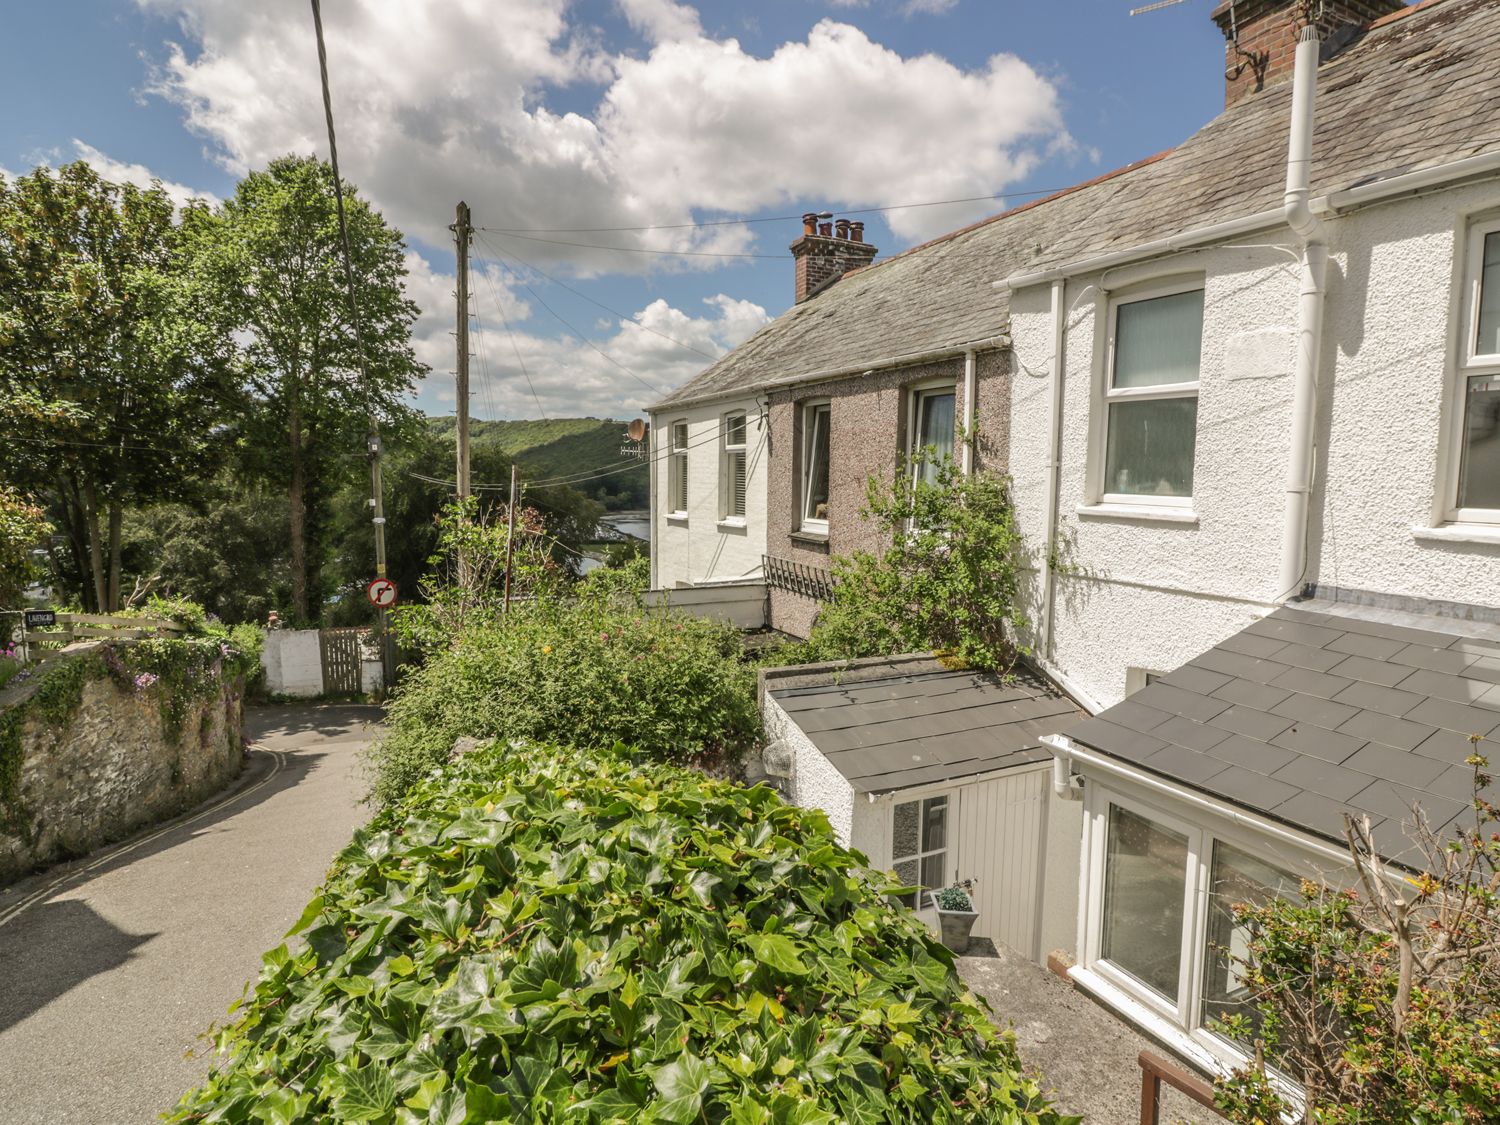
(369, 1094)
(682, 1084)
(309, 915)
(778, 952)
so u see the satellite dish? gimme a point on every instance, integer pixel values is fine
(637, 429)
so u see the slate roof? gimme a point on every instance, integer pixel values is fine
(908, 730)
(1316, 710)
(1416, 91)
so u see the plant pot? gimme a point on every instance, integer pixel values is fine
(954, 927)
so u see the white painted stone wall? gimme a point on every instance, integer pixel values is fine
(1153, 594)
(293, 660)
(814, 782)
(703, 547)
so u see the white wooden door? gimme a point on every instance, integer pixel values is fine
(1001, 844)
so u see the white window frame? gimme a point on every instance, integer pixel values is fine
(1106, 395)
(1185, 1016)
(1470, 363)
(808, 412)
(728, 451)
(949, 849)
(915, 396)
(677, 469)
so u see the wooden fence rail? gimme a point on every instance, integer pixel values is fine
(42, 643)
(1154, 1071)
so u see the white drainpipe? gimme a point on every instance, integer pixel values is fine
(966, 420)
(1300, 217)
(1054, 465)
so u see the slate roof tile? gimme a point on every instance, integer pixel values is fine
(1454, 716)
(1258, 757)
(1328, 745)
(1372, 670)
(1388, 701)
(1415, 770)
(1455, 689)
(1316, 710)
(1327, 778)
(1262, 697)
(1387, 730)
(1260, 725)
(1308, 682)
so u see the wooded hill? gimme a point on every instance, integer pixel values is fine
(558, 447)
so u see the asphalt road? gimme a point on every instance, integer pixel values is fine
(111, 969)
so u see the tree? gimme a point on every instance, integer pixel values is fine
(271, 255)
(23, 527)
(949, 581)
(113, 381)
(1381, 999)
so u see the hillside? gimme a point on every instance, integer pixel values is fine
(564, 446)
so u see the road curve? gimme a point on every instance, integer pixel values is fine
(112, 968)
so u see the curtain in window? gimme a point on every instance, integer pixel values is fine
(934, 432)
(1159, 341)
(1151, 446)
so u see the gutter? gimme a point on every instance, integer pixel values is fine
(1066, 751)
(908, 359)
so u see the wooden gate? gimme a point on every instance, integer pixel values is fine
(340, 649)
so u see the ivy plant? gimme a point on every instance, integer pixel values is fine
(547, 935)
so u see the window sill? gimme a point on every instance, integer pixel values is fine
(1156, 1025)
(732, 523)
(677, 519)
(1458, 533)
(1149, 513)
(811, 538)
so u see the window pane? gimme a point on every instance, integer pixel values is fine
(904, 832)
(679, 435)
(934, 824)
(1489, 298)
(1479, 470)
(1159, 341)
(906, 873)
(934, 430)
(737, 483)
(1150, 450)
(734, 430)
(815, 506)
(1237, 878)
(1145, 870)
(933, 871)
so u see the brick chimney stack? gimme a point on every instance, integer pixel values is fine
(1261, 36)
(826, 252)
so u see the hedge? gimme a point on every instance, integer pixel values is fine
(546, 935)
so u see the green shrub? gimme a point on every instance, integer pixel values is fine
(23, 528)
(588, 672)
(949, 581)
(545, 935)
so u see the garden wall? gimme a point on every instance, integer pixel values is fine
(92, 748)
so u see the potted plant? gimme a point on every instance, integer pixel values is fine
(956, 914)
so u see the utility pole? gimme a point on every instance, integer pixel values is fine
(510, 532)
(377, 492)
(462, 233)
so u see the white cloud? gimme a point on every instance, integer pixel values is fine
(928, 7)
(121, 172)
(440, 102)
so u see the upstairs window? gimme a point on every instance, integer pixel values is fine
(677, 470)
(932, 414)
(1151, 397)
(815, 419)
(732, 468)
(1477, 495)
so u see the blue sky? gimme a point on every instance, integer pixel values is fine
(552, 116)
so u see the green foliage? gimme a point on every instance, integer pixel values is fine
(113, 379)
(1384, 1003)
(954, 898)
(23, 528)
(948, 582)
(591, 671)
(269, 261)
(630, 579)
(546, 935)
(559, 446)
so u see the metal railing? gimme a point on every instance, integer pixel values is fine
(1154, 1071)
(797, 578)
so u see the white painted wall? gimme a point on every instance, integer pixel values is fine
(702, 547)
(293, 660)
(1153, 594)
(814, 783)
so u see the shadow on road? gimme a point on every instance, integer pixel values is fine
(331, 720)
(66, 944)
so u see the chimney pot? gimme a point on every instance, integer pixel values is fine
(810, 223)
(825, 229)
(842, 228)
(857, 232)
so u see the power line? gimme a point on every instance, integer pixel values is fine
(510, 332)
(1003, 195)
(513, 256)
(643, 249)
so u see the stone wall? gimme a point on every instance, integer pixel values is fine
(111, 767)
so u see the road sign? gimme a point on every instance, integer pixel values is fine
(382, 593)
(40, 618)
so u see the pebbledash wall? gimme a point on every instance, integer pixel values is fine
(1150, 594)
(702, 546)
(111, 768)
(868, 433)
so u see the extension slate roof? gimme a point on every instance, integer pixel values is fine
(917, 729)
(1316, 710)
(1418, 90)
